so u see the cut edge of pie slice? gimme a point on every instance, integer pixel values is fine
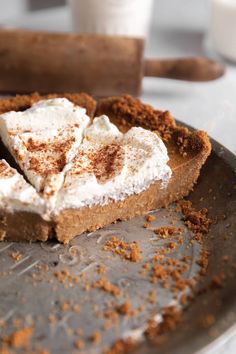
(21, 208)
(187, 152)
(22, 225)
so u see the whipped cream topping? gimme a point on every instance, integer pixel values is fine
(16, 193)
(43, 139)
(73, 164)
(110, 165)
(101, 130)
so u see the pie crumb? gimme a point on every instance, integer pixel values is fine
(96, 338)
(16, 256)
(20, 338)
(125, 308)
(150, 218)
(79, 344)
(167, 231)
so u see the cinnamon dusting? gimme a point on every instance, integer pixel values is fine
(5, 171)
(104, 163)
(107, 162)
(48, 157)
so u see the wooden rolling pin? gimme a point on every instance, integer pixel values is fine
(99, 65)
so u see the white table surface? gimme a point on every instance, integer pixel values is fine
(208, 106)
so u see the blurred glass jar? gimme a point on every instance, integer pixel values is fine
(223, 27)
(113, 17)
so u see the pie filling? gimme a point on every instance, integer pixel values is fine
(71, 162)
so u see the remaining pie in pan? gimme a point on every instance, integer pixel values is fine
(64, 172)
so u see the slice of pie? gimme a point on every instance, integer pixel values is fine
(43, 139)
(115, 169)
(22, 209)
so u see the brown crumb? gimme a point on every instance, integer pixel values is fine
(104, 284)
(64, 276)
(172, 245)
(218, 281)
(16, 256)
(125, 308)
(208, 320)
(121, 346)
(79, 344)
(196, 221)
(170, 318)
(126, 250)
(96, 338)
(64, 307)
(186, 140)
(76, 309)
(146, 225)
(150, 218)
(167, 270)
(5, 349)
(166, 231)
(184, 300)
(135, 254)
(146, 266)
(110, 314)
(101, 269)
(225, 259)
(20, 338)
(203, 261)
(111, 319)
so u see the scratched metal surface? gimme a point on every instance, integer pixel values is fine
(22, 300)
(23, 297)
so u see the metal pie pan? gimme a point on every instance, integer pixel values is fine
(29, 291)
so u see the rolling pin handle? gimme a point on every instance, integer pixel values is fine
(189, 69)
